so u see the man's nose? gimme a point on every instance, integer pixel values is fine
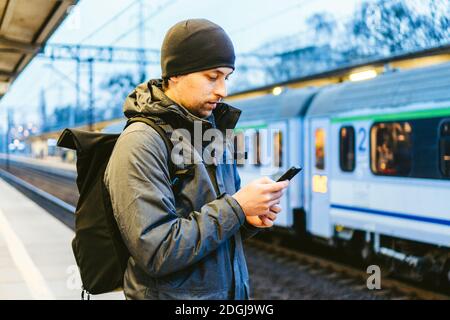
(221, 89)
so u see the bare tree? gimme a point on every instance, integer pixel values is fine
(378, 28)
(118, 86)
(387, 27)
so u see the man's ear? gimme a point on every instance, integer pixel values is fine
(174, 79)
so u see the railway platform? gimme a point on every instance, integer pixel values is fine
(36, 259)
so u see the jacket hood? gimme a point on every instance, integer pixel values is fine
(149, 99)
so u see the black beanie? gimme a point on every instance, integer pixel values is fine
(195, 45)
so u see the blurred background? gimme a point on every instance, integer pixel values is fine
(103, 49)
(357, 92)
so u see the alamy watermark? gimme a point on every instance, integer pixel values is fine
(374, 280)
(261, 147)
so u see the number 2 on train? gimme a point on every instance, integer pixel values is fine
(362, 135)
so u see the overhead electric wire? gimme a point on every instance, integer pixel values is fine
(64, 76)
(112, 19)
(156, 12)
(265, 18)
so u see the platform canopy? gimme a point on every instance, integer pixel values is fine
(25, 26)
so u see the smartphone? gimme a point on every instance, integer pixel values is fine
(288, 175)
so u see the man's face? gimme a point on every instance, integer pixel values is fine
(199, 92)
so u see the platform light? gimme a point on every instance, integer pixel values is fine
(363, 75)
(277, 91)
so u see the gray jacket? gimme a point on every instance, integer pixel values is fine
(186, 245)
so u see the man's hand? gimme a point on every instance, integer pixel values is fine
(258, 199)
(264, 221)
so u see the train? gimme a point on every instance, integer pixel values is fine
(376, 159)
(376, 165)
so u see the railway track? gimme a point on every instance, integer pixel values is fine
(62, 186)
(31, 187)
(277, 271)
(340, 274)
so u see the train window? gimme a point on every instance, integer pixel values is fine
(257, 149)
(240, 148)
(444, 149)
(320, 148)
(347, 149)
(391, 148)
(247, 145)
(278, 149)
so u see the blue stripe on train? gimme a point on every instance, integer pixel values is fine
(392, 214)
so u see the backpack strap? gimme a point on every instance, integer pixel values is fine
(167, 142)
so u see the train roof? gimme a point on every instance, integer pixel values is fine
(389, 90)
(404, 61)
(290, 103)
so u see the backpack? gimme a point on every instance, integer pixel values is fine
(99, 250)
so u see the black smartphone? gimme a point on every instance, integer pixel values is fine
(288, 175)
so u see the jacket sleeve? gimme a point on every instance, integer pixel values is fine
(160, 242)
(247, 230)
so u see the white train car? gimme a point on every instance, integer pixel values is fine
(376, 158)
(378, 162)
(270, 131)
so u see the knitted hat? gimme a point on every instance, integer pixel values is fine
(195, 45)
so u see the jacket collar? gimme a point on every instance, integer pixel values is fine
(150, 99)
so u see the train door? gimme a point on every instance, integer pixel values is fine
(277, 142)
(319, 156)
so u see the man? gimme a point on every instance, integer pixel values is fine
(186, 244)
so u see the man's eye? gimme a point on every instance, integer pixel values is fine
(212, 78)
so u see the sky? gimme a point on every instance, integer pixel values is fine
(250, 23)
